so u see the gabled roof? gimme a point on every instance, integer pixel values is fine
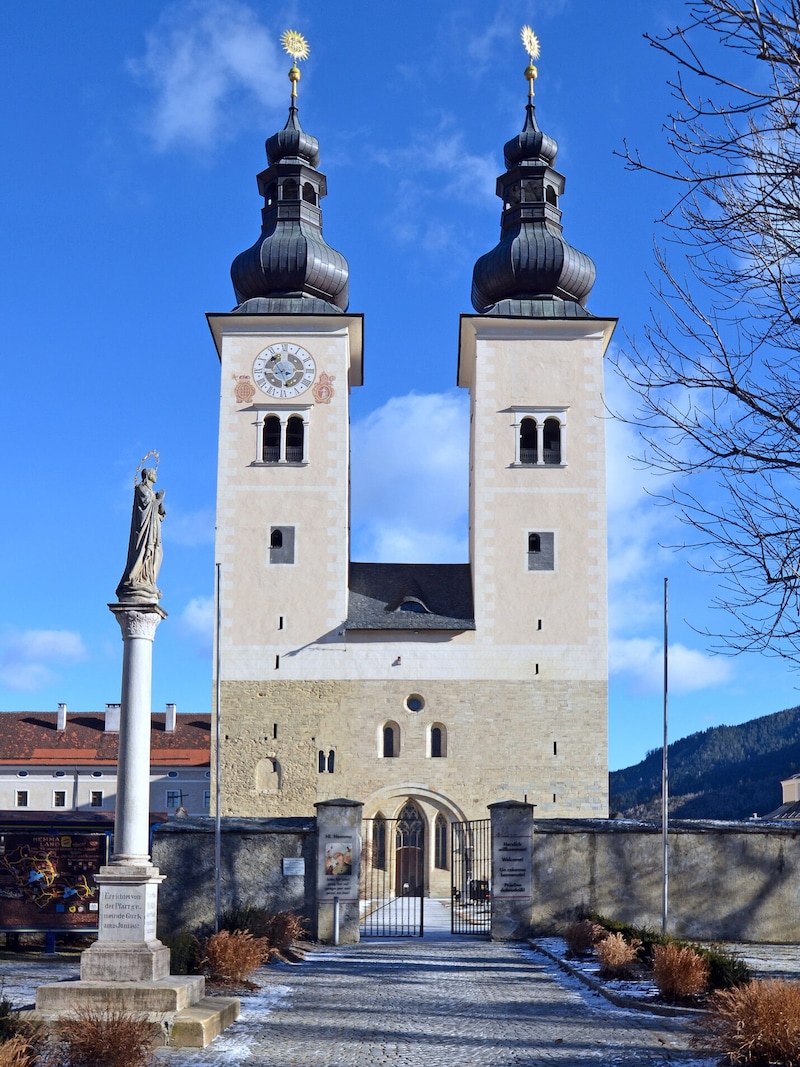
(32, 737)
(438, 594)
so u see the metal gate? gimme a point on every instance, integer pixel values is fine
(471, 866)
(392, 878)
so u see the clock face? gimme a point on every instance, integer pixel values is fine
(284, 370)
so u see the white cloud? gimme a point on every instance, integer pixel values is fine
(27, 658)
(437, 167)
(410, 464)
(641, 661)
(190, 528)
(197, 621)
(202, 60)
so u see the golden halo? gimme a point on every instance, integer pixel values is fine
(530, 42)
(295, 44)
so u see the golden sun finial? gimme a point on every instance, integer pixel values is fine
(297, 46)
(530, 43)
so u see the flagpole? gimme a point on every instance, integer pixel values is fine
(665, 772)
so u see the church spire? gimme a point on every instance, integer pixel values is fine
(532, 271)
(291, 268)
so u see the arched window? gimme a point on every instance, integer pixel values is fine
(294, 439)
(527, 441)
(441, 858)
(276, 539)
(321, 761)
(534, 543)
(436, 741)
(550, 195)
(552, 441)
(271, 451)
(309, 195)
(379, 842)
(290, 189)
(331, 760)
(272, 193)
(388, 741)
(325, 762)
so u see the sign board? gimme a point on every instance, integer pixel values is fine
(511, 868)
(47, 879)
(294, 865)
(339, 856)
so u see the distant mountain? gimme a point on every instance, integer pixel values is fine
(724, 772)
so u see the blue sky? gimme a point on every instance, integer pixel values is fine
(133, 134)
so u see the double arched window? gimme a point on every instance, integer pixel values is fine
(540, 441)
(283, 438)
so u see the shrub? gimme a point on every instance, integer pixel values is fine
(757, 1024)
(580, 937)
(232, 956)
(617, 957)
(282, 930)
(725, 969)
(679, 972)
(108, 1038)
(184, 951)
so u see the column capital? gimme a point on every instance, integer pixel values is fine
(140, 621)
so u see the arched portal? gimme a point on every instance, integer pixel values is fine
(409, 851)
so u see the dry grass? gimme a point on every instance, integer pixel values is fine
(580, 937)
(282, 930)
(232, 956)
(679, 972)
(102, 1039)
(18, 1051)
(757, 1024)
(617, 957)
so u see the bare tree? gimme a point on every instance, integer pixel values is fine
(718, 371)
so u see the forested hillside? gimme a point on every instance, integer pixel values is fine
(724, 772)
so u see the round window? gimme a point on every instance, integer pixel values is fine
(415, 702)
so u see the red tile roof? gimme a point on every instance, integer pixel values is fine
(32, 737)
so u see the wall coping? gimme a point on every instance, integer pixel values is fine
(676, 826)
(204, 824)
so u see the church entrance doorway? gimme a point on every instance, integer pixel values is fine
(409, 866)
(392, 887)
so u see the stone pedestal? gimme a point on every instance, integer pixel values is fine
(512, 870)
(127, 948)
(338, 868)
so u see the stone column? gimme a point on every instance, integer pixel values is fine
(127, 948)
(338, 868)
(512, 869)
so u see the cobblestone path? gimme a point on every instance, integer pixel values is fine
(430, 1004)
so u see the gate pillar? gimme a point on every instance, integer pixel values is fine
(338, 868)
(512, 869)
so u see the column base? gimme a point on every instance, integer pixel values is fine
(121, 961)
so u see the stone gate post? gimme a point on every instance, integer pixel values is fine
(512, 869)
(338, 868)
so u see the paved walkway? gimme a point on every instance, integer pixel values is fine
(427, 1003)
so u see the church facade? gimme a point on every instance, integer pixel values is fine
(422, 690)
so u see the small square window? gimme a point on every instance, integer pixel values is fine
(59, 798)
(21, 798)
(207, 798)
(541, 551)
(96, 798)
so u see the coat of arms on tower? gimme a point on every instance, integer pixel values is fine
(323, 390)
(244, 390)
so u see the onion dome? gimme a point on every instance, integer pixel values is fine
(291, 268)
(532, 271)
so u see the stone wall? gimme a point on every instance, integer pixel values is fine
(727, 881)
(253, 851)
(541, 737)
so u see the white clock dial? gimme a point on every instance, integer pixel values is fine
(284, 370)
